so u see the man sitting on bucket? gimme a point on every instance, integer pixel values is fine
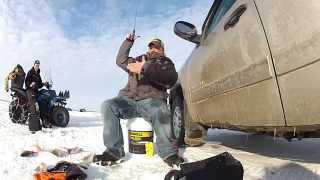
(150, 75)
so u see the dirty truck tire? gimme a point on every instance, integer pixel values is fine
(177, 112)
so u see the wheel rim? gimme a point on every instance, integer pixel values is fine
(60, 118)
(177, 121)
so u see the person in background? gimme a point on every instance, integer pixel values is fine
(33, 83)
(16, 78)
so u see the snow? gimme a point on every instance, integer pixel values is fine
(262, 157)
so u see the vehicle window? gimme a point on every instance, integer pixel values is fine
(223, 8)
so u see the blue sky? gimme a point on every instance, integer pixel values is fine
(86, 18)
(77, 40)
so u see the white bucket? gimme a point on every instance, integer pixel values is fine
(140, 132)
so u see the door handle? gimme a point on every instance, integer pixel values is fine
(235, 16)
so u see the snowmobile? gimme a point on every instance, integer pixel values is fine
(50, 106)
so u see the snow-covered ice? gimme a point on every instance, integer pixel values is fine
(263, 157)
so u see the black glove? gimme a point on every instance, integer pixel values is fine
(131, 37)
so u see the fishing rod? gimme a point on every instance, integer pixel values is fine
(135, 19)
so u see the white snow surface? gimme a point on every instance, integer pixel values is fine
(263, 157)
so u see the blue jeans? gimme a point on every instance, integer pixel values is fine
(151, 109)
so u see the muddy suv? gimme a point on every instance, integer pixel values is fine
(255, 68)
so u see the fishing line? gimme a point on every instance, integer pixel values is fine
(135, 18)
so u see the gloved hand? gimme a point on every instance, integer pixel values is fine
(32, 85)
(131, 37)
(46, 84)
(136, 67)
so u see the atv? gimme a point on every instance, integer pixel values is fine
(50, 106)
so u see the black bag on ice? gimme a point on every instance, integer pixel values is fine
(221, 167)
(74, 171)
(34, 122)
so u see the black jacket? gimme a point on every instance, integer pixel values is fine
(158, 74)
(34, 76)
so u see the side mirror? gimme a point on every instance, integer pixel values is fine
(187, 31)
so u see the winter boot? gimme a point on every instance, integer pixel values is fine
(34, 123)
(174, 160)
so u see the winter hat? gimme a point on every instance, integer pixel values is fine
(157, 43)
(36, 61)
